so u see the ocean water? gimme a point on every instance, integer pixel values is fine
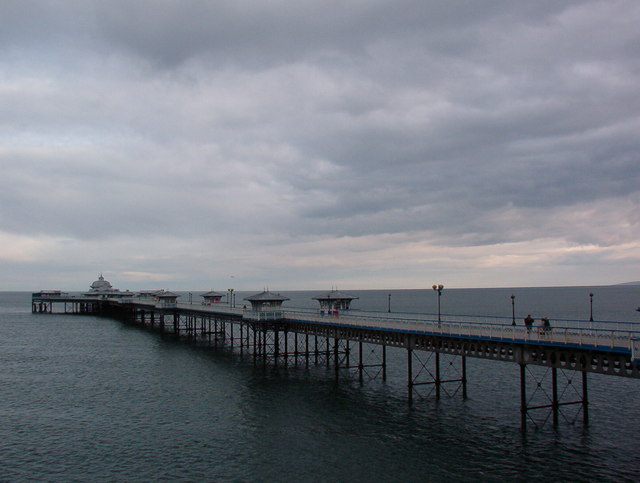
(85, 398)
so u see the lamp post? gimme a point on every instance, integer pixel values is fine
(230, 297)
(590, 306)
(389, 304)
(438, 288)
(513, 309)
(190, 298)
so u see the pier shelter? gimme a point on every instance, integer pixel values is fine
(51, 294)
(333, 301)
(167, 299)
(148, 294)
(265, 306)
(212, 297)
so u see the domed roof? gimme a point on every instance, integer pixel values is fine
(101, 285)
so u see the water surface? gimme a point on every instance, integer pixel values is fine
(91, 399)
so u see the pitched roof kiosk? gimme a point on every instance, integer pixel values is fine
(265, 306)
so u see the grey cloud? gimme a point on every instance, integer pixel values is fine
(459, 122)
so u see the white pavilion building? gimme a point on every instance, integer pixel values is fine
(334, 301)
(101, 288)
(265, 306)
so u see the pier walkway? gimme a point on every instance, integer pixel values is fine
(607, 337)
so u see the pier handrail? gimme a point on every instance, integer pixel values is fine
(609, 336)
(598, 338)
(497, 319)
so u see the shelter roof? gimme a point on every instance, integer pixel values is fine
(266, 296)
(334, 295)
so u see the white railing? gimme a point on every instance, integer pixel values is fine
(604, 338)
(218, 308)
(611, 336)
(635, 349)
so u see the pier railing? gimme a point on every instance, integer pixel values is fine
(607, 336)
(610, 336)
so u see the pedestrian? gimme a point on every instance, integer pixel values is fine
(546, 325)
(528, 321)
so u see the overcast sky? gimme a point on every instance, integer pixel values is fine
(194, 144)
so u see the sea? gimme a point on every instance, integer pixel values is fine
(87, 398)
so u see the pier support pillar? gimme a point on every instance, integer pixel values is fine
(585, 399)
(437, 378)
(464, 377)
(384, 362)
(554, 396)
(410, 373)
(523, 397)
(360, 362)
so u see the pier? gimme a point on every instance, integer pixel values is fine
(354, 343)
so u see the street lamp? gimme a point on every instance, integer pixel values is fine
(590, 306)
(438, 288)
(513, 309)
(389, 304)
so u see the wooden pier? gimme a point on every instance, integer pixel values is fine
(356, 343)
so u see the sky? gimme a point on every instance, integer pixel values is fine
(378, 144)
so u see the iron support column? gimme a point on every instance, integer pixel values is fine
(384, 362)
(360, 365)
(437, 381)
(464, 377)
(554, 396)
(523, 397)
(409, 373)
(585, 399)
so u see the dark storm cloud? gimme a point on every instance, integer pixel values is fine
(254, 125)
(172, 31)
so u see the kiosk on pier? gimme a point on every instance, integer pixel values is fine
(167, 299)
(265, 306)
(333, 302)
(212, 297)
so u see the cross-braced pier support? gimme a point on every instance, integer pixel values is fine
(553, 398)
(372, 361)
(436, 370)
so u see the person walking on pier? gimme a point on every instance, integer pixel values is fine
(528, 321)
(546, 325)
